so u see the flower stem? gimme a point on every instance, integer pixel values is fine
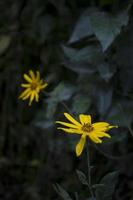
(89, 170)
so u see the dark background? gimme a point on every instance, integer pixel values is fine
(84, 50)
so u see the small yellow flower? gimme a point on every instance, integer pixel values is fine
(85, 128)
(33, 87)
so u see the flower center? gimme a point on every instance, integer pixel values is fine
(87, 127)
(33, 85)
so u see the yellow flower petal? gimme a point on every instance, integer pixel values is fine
(101, 134)
(32, 74)
(24, 93)
(85, 119)
(27, 78)
(66, 124)
(80, 145)
(100, 124)
(44, 86)
(32, 97)
(38, 76)
(25, 85)
(36, 97)
(70, 130)
(71, 119)
(94, 138)
(110, 127)
(27, 96)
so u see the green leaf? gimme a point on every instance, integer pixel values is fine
(106, 72)
(81, 104)
(107, 2)
(44, 27)
(82, 177)
(82, 28)
(61, 93)
(90, 54)
(119, 137)
(104, 100)
(107, 26)
(51, 108)
(40, 119)
(83, 60)
(109, 182)
(4, 43)
(62, 193)
(121, 114)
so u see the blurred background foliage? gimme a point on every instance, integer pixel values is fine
(84, 50)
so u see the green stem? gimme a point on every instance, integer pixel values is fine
(89, 170)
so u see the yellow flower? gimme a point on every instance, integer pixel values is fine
(33, 87)
(85, 128)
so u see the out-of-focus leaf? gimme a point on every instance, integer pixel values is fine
(41, 121)
(91, 198)
(109, 182)
(107, 2)
(82, 177)
(121, 114)
(82, 28)
(60, 190)
(104, 100)
(61, 93)
(106, 26)
(105, 71)
(97, 185)
(83, 60)
(115, 137)
(81, 104)
(80, 68)
(90, 54)
(51, 108)
(4, 43)
(44, 27)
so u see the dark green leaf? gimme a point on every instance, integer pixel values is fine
(106, 26)
(82, 177)
(106, 71)
(60, 190)
(4, 43)
(115, 137)
(104, 100)
(97, 185)
(109, 182)
(41, 120)
(44, 28)
(107, 2)
(90, 54)
(83, 60)
(62, 92)
(82, 28)
(121, 114)
(81, 104)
